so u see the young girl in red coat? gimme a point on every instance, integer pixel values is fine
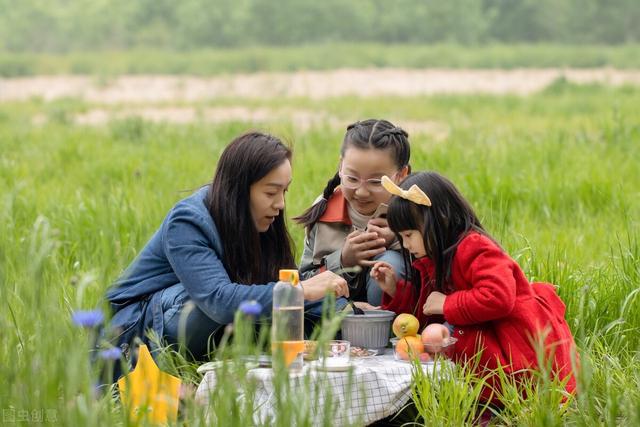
(467, 280)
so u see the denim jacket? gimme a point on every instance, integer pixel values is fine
(185, 249)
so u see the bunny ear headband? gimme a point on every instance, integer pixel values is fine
(413, 194)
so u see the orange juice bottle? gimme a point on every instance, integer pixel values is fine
(287, 328)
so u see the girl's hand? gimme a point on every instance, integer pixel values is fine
(384, 274)
(359, 247)
(317, 287)
(434, 303)
(381, 226)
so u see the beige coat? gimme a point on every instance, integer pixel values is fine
(323, 243)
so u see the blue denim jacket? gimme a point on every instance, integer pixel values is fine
(186, 249)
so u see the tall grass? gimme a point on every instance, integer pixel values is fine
(318, 57)
(553, 177)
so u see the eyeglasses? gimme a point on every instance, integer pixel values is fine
(373, 185)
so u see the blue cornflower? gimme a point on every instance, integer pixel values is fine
(251, 308)
(88, 318)
(112, 353)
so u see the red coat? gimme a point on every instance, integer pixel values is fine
(494, 308)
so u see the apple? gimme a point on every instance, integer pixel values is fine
(405, 325)
(434, 336)
(425, 357)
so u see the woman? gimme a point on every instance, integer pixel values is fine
(215, 249)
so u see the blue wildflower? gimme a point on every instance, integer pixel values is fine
(112, 353)
(88, 318)
(251, 308)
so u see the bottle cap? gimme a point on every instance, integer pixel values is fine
(289, 276)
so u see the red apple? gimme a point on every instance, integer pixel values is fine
(433, 337)
(424, 357)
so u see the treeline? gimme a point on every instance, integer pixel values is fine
(87, 25)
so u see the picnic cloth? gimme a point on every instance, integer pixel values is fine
(373, 389)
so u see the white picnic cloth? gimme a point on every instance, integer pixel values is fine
(375, 388)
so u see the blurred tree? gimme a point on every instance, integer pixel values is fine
(66, 25)
(615, 21)
(223, 23)
(529, 20)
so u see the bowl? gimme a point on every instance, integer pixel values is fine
(445, 349)
(369, 330)
(430, 352)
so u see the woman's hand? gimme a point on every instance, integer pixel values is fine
(319, 285)
(434, 303)
(384, 274)
(381, 226)
(359, 247)
(365, 306)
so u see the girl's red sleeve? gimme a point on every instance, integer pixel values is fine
(490, 272)
(404, 299)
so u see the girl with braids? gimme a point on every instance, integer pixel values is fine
(217, 248)
(342, 234)
(461, 273)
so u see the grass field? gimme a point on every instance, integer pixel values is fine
(319, 57)
(553, 176)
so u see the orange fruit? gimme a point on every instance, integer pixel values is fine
(409, 347)
(405, 325)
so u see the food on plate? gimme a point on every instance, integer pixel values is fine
(362, 352)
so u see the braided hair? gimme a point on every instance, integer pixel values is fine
(366, 134)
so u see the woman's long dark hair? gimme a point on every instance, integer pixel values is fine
(444, 224)
(249, 256)
(366, 134)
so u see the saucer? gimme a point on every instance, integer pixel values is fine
(262, 361)
(335, 367)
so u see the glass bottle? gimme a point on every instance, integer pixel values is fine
(287, 328)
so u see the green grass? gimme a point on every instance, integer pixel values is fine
(553, 176)
(319, 57)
